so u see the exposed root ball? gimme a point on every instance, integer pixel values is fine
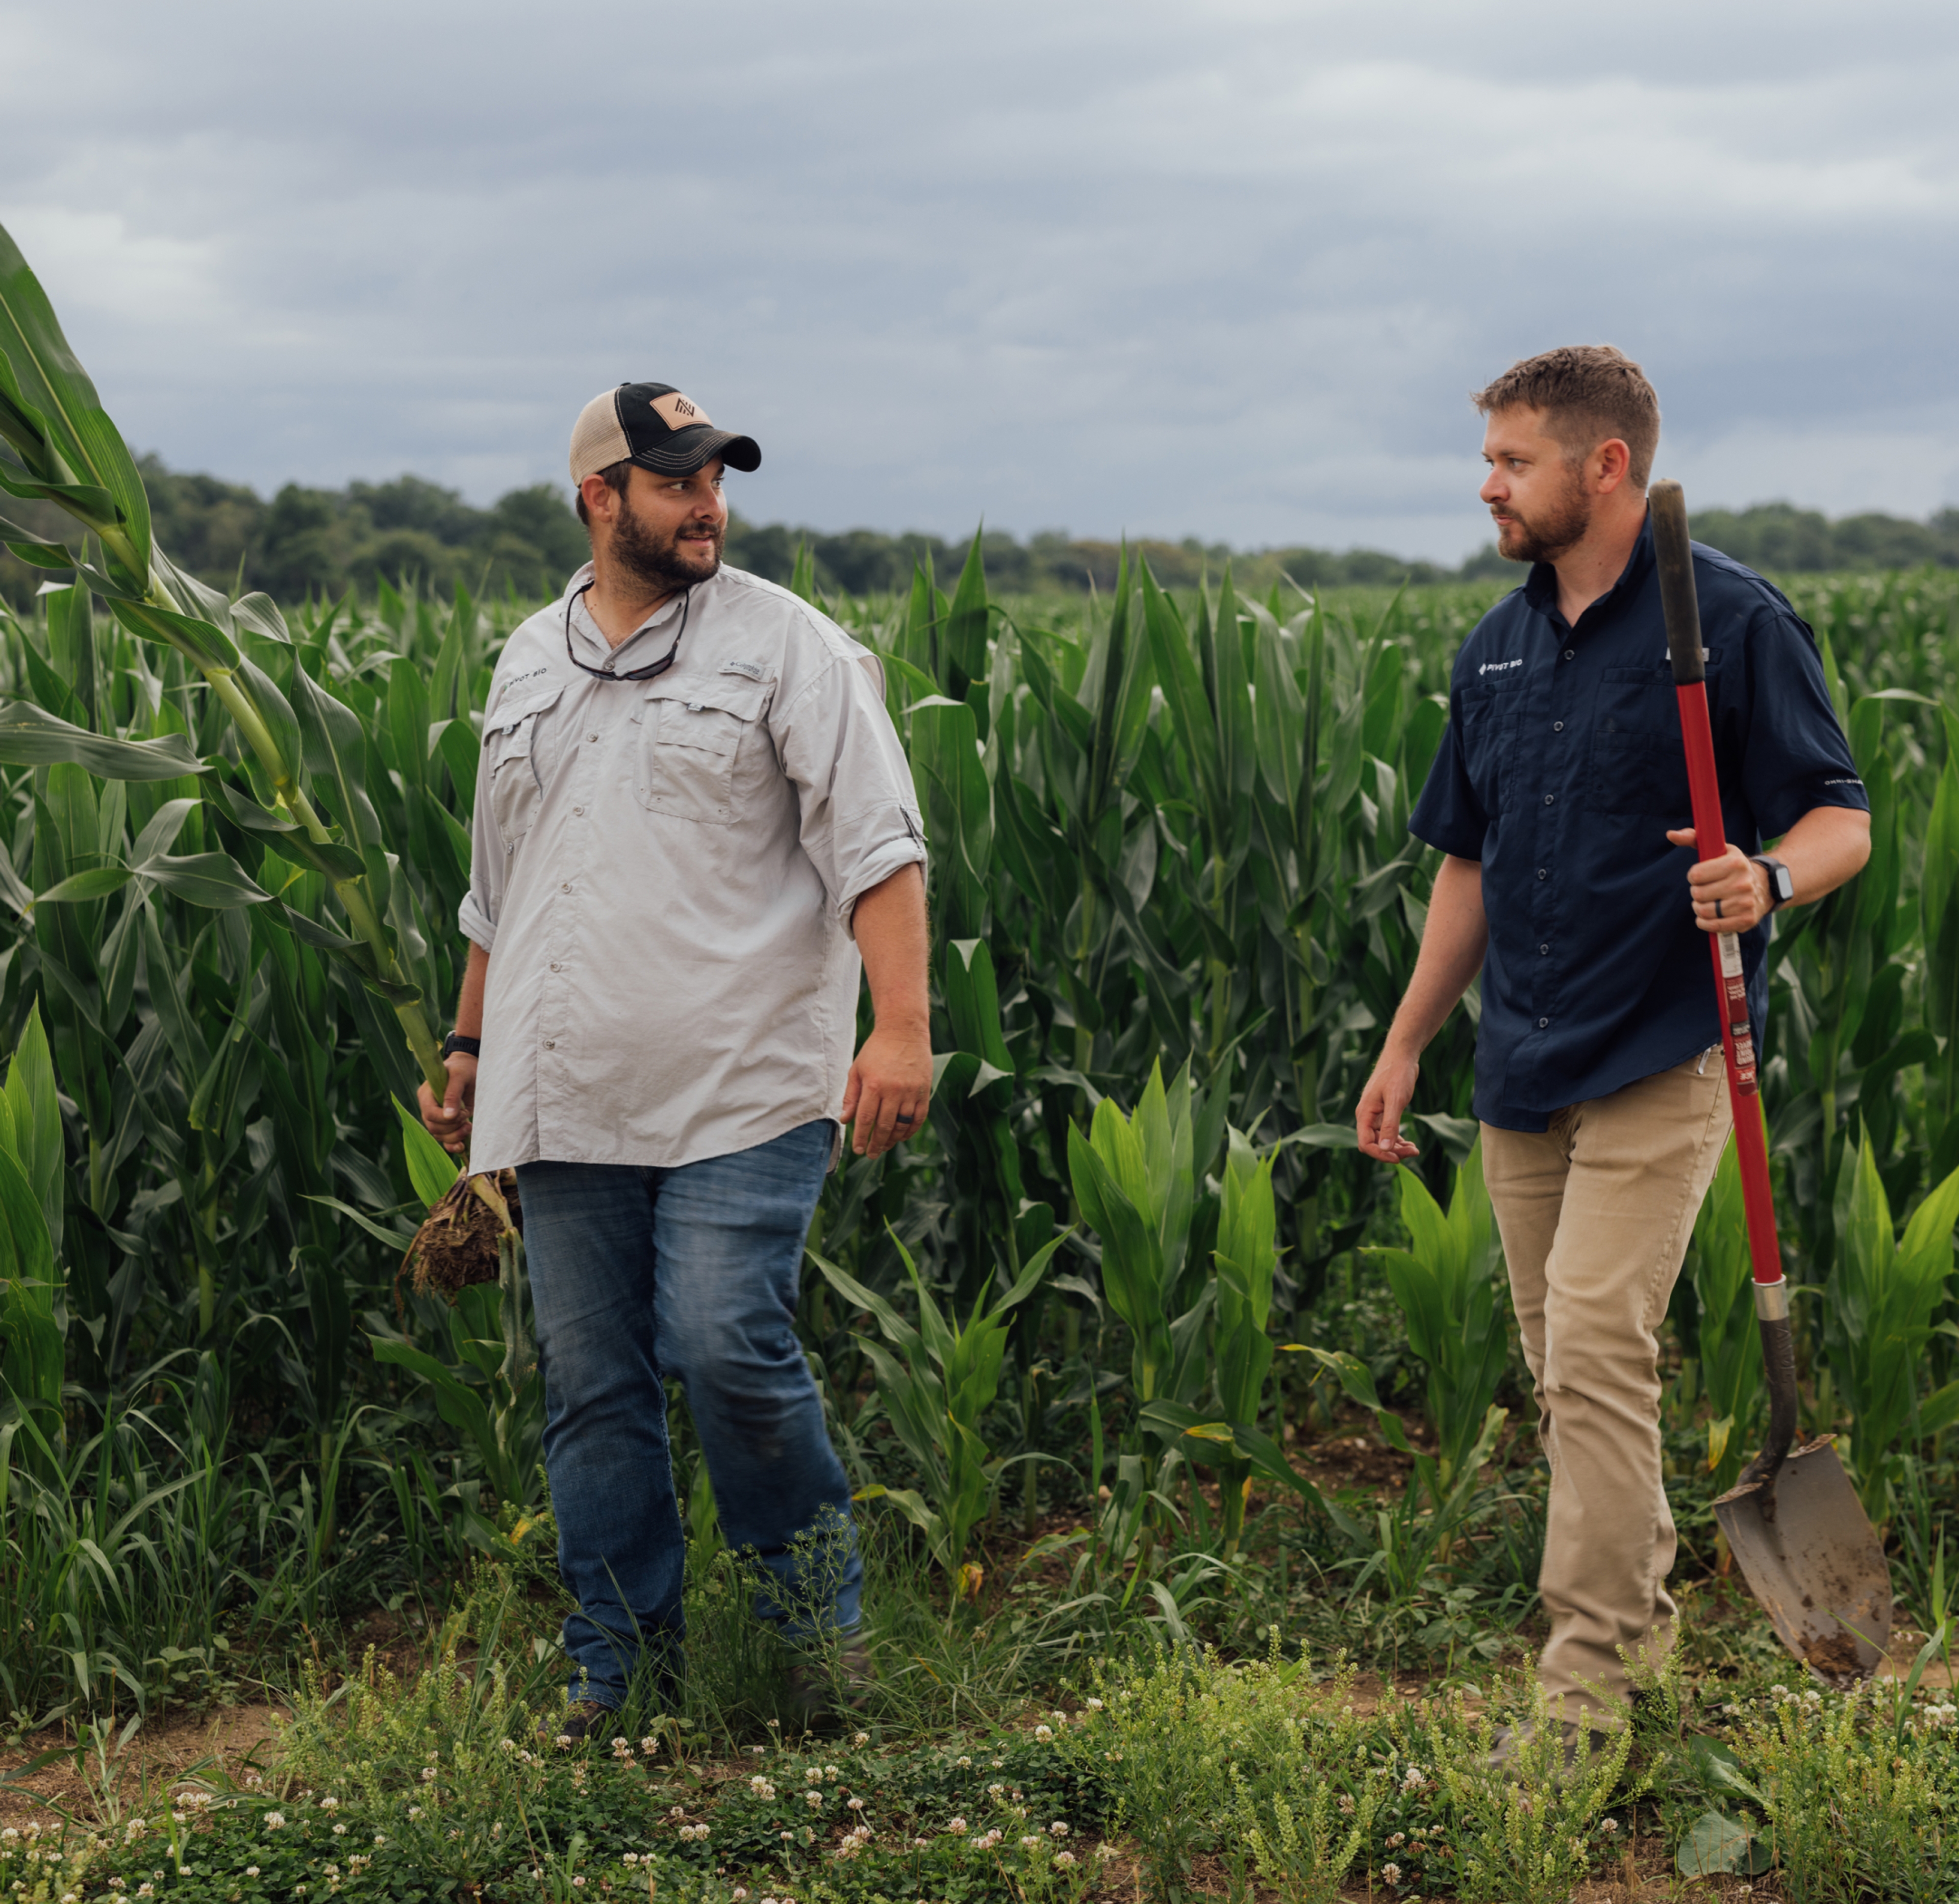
(456, 1245)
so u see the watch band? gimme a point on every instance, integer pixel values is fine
(455, 1042)
(1782, 886)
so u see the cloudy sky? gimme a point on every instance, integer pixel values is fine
(1225, 268)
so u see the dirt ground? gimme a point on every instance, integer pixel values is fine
(232, 1739)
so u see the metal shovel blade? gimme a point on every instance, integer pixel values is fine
(1810, 1555)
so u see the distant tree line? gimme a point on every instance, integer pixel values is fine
(325, 541)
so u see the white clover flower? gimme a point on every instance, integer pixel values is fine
(1057, 1829)
(996, 1791)
(428, 1774)
(814, 1800)
(764, 1788)
(1105, 1851)
(956, 1826)
(340, 1831)
(1028, 1843)
(1413, 1779)
(563, 1742)
(1065, 1860)
(855, 1804)
(1095, 1705)
(1043, 1731)
(649, 1747)
(275, 1821)
(1346, 1805)
(813, 1775)
(333, 1804)
(860, 1738)
(1399, 1838)
(1610, 1826)
(414, 1811)
(740, 1895)
(1392, 1874)
(251, 1871)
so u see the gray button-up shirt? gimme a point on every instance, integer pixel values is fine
(664, 873)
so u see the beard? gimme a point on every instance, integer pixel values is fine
(1547, 534)
(665, 562)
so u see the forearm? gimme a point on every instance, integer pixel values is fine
(1825, 847)
(469, 1000)
(894, 940)
(1452, 944)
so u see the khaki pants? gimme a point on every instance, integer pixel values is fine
(1595, 1214)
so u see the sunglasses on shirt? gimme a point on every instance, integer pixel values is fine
(645, 674)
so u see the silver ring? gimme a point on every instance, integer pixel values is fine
(1717, 908)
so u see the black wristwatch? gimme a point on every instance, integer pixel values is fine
(455, 1042)
(1781, 888)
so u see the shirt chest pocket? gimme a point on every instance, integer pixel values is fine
(696, 746)
(512, 764)
(1639, 760)
(1491, 717)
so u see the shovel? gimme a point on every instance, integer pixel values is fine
(1793, 1521)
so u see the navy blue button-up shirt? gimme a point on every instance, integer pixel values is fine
(1560, 770)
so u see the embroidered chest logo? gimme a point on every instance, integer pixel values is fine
(1497, 667)
(750, 668)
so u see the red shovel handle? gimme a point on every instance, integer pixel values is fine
(1674, 555)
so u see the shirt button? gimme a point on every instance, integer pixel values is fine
(557, 967)
(1547, 799)
(578, 812)
(551, 1044)
(1570, 654)
(1558, 727)
(1543, 872)
(592, 737)
(1542, 952)
(566, 887)
(1542, 1023)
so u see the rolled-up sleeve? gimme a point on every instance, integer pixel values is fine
(489, 867)
(860, 821)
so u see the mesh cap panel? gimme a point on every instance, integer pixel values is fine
(598, 441)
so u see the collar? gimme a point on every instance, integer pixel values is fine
(1541, 589)
(589, 643)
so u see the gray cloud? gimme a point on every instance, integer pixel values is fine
(1226, 268)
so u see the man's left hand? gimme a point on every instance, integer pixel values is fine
(888, 1090)
(1730, 894)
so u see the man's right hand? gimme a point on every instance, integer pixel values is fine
(1377, 1121)
(450, 1122)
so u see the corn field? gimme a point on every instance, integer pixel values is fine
(1110, 1300)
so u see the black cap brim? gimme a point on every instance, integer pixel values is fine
(688, 450)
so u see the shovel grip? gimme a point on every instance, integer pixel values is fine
(1673, 556)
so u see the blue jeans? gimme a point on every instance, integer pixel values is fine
(640, 1277)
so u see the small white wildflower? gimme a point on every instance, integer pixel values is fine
(855, 1804)
(1392, 1874)
(860, 1738)
(251, 1871)
(428, 1774)
(333, 1804)
(1346, 1805)
(1065, 1860)
(1105, 1851)
(1028, 1843)
(1043, 1731)
(414, 1811)
(340, 1831)
(649, 1747)
(956, 1826)
(1095, 1705)
(1057, 1829)
(275, 1821)
(814, 1800)
(1610, 1826)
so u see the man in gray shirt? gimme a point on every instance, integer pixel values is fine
(693, 820)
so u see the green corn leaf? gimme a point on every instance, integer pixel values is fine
(50, 415)
(431, 1169)
(31, 736)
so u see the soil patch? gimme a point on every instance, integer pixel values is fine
(231, 1739)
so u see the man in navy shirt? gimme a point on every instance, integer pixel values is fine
(1559, 799)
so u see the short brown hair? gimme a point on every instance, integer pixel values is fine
(1588, 393)
(618, 476)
